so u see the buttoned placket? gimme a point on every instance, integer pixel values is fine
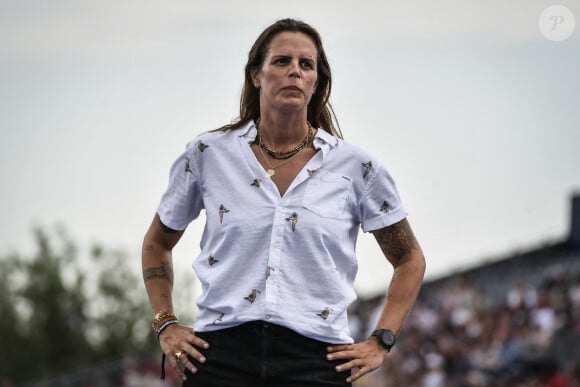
(280, 228)
(280, 222)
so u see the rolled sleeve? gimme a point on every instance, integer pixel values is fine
(181, 203)
(381, 205)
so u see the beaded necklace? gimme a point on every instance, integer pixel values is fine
(288, 154)
(271, 171)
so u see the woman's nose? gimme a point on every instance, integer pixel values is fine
(295, 70)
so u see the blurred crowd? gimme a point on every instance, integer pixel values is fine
(459, 336)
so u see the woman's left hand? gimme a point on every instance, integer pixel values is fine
(366, 356)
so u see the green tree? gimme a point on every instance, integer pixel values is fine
(122, 306)
(58, 315)
(11, 325)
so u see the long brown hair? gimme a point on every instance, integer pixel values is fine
(320, 112)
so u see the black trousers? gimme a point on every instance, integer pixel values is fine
(259, 354)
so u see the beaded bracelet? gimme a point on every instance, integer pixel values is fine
(162, 317)
(165, 325)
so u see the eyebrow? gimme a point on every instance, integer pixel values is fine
(289, 56)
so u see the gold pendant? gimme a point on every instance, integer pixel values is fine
(271, 172)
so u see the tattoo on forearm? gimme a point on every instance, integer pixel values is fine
(165, 271)
(397, 240)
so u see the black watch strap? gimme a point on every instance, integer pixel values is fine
(386, 337)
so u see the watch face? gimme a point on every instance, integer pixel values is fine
(388, 338)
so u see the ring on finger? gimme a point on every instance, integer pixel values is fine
(178, 355)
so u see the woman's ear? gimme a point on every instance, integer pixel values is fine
(255, 75)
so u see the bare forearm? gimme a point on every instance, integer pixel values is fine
(402, 292)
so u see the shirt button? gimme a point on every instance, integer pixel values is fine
(280, 208)
(268, 317)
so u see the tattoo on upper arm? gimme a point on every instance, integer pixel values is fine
(166, 229)
(165, 271)
(396, 240)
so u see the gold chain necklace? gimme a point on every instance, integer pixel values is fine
(272, 170)
(284, 155)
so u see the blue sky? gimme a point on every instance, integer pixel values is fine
(472, 109)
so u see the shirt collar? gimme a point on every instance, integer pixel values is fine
(322, 138)
(249, 131)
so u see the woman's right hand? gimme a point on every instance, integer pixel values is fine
(181, 340)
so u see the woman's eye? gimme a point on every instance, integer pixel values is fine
(307, 65)
(280, 61)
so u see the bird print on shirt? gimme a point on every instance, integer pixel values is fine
(311, 171)
(324, 314)
(218, 319)
(222, 211)
(201, 146)
(187, 167)
(367, 168)
(256, 183)
(385, 207)
(252, 296)
(293, 219)
(211, 260)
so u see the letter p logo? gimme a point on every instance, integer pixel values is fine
(557, 23)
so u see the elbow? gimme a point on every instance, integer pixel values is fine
(418, 263)
(422, 265)
(414, 264)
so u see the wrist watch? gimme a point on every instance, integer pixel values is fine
(386, 337)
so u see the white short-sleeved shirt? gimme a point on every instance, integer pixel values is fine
(287, 260)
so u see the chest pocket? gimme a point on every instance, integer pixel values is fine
(326, 194)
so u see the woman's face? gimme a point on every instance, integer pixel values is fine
(288, 76)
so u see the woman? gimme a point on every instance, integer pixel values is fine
(284, 198)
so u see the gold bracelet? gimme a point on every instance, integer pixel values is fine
(162, 317)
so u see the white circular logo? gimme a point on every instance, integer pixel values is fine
(557, 23)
